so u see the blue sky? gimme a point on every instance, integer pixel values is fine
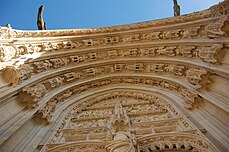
(72, 14)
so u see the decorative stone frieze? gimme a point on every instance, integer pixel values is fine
(53, 83)
(71, 76)
(58, 62)
(191, 99)
(211, 54)
(174, 142)
(181, 33)
(11, 75)
(101, 102)
(8, 52)
(194, 76)
(217, 10)
(41, 66)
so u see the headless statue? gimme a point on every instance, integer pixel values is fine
(40, 22)
(176, 8)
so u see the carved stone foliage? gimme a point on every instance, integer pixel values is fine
(169, 34)
(45, 114)
(15, 76)
(221, 9)
(215, 30)
(196, 76)
(208, 54)
(11, 75)
(41, 66)
(32, 95)
(8, 52)
(7, 32)
(168, 21)
(55, 82)
(211, 54)
(217, 10)
(174, 142)
(189, 96)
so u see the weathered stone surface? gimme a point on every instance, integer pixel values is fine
(152, 86)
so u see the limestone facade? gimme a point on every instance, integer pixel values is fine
(160, 85)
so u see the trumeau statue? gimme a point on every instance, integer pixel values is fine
(176, 8)
(40, 22)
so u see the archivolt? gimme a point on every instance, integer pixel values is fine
(54, 99)
(168, 141)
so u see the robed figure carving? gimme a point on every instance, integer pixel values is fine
(40, 22)
(176, 8)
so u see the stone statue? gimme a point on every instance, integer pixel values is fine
(40, 22)
(176, 8)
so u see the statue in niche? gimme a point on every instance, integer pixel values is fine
(176, 8)
(40, 22)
